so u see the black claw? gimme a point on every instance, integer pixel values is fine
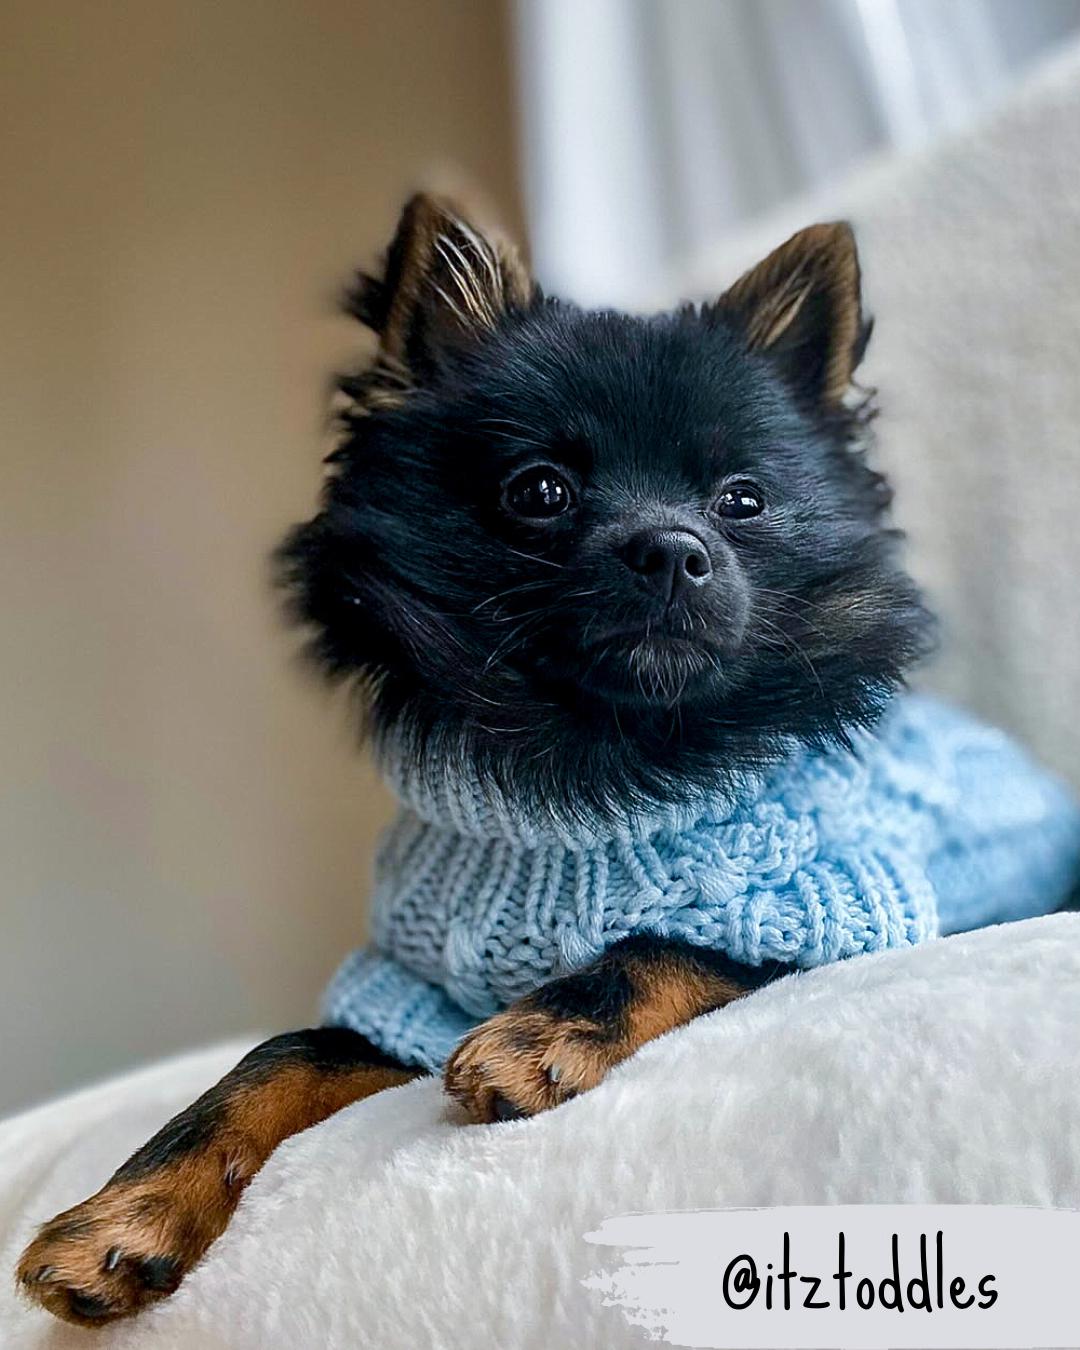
(112, 1259)
(159, 1273)
(505, 1109)
(88, 1305)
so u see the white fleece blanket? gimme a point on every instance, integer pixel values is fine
(948, 1073)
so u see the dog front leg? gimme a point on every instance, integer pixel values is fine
(563, 1039)
(135, 1240)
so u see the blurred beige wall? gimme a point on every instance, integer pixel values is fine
(185, 831)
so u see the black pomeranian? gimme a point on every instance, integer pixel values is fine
(601, 558)
(594, 562)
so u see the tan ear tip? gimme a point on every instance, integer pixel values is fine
(447, 196)
(828, 245)
(830, 248)
(429, 206)
(841, 234)
(444, 196)
(829, 235)
(846, 231)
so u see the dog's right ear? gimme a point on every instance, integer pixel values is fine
(446, 283)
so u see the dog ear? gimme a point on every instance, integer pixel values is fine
(801, 307)
(445, 284)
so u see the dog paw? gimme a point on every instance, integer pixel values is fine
(526, 1060)
(126, 1247)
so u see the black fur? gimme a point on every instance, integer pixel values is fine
(327, 1049)
(604, 991)
(530, 653)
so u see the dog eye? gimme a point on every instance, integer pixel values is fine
(740, 501)
(539, 493)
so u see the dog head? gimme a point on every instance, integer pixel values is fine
(603, 558)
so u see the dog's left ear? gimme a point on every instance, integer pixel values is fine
(446, 283)
(801, 307)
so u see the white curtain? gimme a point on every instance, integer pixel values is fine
(652, 126)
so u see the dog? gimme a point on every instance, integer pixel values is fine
(590, 559)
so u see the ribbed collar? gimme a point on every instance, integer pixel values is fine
(455, 799)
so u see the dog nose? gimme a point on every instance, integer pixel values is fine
(671, 561)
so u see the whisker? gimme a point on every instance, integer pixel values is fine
(533, 558)
(510, 590)
(795, 599)
(504, 422)
(791, 644)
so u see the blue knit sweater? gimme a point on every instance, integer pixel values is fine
(933, 825)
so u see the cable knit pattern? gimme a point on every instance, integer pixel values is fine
(934, 824)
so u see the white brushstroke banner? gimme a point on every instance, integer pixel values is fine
(859, 1276)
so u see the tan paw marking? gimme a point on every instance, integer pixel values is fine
(127, 1246)
(526, 1060)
